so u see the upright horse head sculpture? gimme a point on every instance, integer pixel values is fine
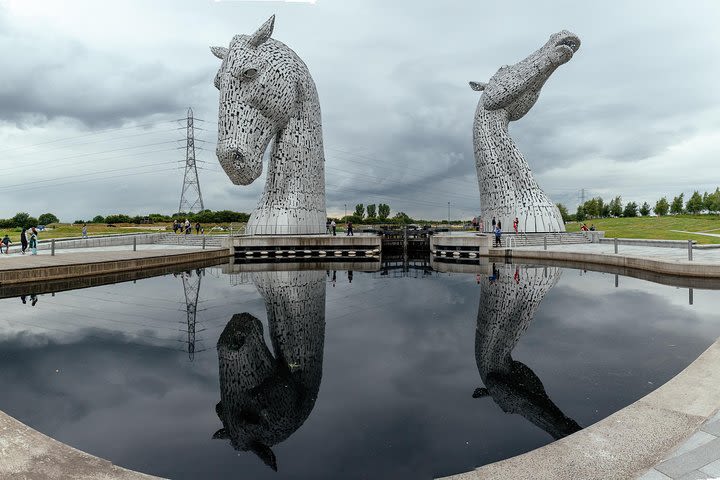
(507, 187)
(266, 94)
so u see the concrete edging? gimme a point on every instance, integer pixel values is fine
(83, 267)
(628, 442)
(667, 267)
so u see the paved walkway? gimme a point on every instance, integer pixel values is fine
(657, 253)
(88, 255)
(697, 458)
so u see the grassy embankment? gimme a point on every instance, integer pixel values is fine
(657, 227)
(63, 230)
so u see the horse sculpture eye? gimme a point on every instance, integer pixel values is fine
(250, 73)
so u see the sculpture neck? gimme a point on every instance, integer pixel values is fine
(297, 161)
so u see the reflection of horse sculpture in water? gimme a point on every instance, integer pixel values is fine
(267, 93)
(265, 398)
(506, 309)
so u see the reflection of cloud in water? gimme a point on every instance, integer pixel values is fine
(508, 302)
(264, 398)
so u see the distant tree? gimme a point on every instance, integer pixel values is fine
(359, 210)
(713, 202)
(47, 219)
(78, 222)
(98, 219)
(605, 210)
(118, 218)
(676, 207)
(402, 217)
(645, 209)
(580, 215)
(371, 212)
(631, 210)
(616, 207)
(21, 219)
(383, 211)
(694, 203)
(563, 212)
(661, 207)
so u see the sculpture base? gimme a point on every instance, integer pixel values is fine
(286, 221)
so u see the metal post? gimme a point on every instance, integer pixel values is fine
(544, 242)
(690, 251)
(52, 247)
(203, 242)
(134, 244)
(690, 295)
(616, 280)
(615, 243)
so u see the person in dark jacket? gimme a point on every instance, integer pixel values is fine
(24, 240)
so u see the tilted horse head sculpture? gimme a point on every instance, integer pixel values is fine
(266, 94)
(507, 187)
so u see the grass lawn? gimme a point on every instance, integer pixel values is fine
(656, 227)
(62, 230)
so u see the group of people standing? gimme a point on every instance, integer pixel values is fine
(331, 227)
(25, 241)
(186, 227)
(497, 230)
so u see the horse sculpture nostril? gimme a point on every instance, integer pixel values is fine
(237, 157)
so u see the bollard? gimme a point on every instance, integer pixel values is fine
(617, 281)
(690, 250)
(203, 242)
(52, 247)
(545, 242)
(690, 296)
(615, 243)
(134, 244)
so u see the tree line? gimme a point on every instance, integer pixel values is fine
(24, 219)
(597, 208)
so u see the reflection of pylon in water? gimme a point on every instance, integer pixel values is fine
(191, 286)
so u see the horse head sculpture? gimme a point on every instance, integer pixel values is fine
(508, 189)
(266, 94)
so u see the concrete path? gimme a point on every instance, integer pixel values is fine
(21, 269)
(697, 458)
(669, 254)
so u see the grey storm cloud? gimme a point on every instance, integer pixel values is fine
(392, 80)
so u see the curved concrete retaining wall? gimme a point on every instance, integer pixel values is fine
(667, 267)
(77, 265)
(628, 442)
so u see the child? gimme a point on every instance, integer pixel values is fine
(6, 241)
(33, 242)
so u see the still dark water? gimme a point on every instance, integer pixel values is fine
(331, 374)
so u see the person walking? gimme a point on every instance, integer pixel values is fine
(515, 225)
(197, 228)
(481, 225)
(187, 227)
(84, 231)
(6, 241)
(23, 240)
(493, 224)
(33, 241)
(333, 225)
(349, 229)
(176, 225)
(327, 226)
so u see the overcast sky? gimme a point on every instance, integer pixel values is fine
(90, 91)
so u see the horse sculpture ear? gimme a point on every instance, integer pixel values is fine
(478, 86)
(263, 33)
(219, 52)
